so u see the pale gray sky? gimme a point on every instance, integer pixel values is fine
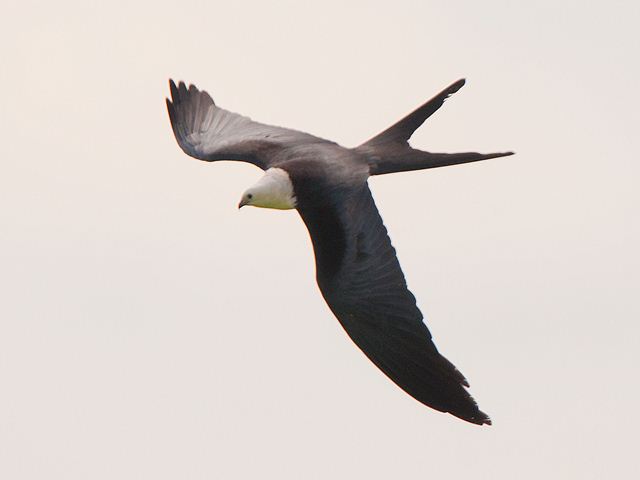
(150, 330)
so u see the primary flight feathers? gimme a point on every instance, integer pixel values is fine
(356, 266)
(208, 132)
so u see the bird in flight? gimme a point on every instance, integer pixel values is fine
(356, 266)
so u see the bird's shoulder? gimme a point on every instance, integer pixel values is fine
(323, 173)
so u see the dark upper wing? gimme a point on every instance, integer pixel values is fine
(208, 132)
(361, 280)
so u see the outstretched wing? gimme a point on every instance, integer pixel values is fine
(207, 132)
(361, 280)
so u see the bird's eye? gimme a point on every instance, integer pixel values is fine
(249, 196)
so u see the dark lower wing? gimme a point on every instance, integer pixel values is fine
(361, 280)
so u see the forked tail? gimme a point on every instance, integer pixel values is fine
(390, 152)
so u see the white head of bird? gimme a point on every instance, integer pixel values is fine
(273, 190)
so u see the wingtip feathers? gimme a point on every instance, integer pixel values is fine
(470, 412)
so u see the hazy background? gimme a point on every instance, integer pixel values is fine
(150, 330)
